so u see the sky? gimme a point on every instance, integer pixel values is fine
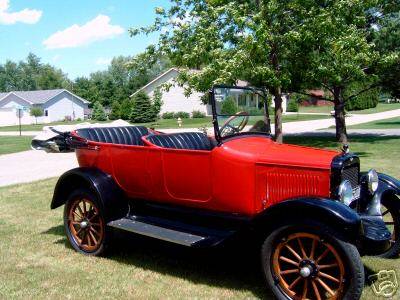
(78, 36)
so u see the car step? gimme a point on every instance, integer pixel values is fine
(180, 237)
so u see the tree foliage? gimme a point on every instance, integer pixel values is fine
(31, 74)
(99, 113)
(142, 109)
(115, 112)
(36, 112)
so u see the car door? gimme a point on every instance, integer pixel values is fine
(187, 174)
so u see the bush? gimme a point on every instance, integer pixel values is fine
(368, 99)
(292, 106)
(142, 110)
(168, 115)
(99, 114)
(229, 107)
(196, 114)
(182, 115)
(115, 113)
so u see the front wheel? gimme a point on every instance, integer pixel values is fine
(308, 262)
(84, 223)
(390, 210)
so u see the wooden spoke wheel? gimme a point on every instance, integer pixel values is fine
(308, 268)
(84, 223)
(390, 210)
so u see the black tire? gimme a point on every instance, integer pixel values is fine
(391, 209)
(83, 239)
(351, 273)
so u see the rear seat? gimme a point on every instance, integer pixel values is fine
(127, 135)
(184, 140)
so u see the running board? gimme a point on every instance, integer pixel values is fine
(172, 230)
(162, 233)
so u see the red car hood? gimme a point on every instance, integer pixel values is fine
(265, 151)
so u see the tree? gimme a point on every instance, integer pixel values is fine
(142, 110)
(99, 114)
(156, 103)
(226, 40)
(126, 109)
(36, 112)
(115, 113)
(338, 53)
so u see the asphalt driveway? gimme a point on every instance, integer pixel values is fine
(34, 165)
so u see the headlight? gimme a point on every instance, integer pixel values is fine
(373, 181)
(345, 192)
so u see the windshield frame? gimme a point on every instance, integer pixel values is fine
(217, 133)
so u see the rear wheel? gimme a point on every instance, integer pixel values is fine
(306, 262)
(391, 216)
(84, 223)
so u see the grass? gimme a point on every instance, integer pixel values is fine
(12, 144)
(381, 107)
(162, 123)
(393, 123)
(37, 262)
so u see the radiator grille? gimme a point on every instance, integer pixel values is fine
(351, 174)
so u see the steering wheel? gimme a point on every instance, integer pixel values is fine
(227, 128)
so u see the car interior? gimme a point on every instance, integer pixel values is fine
(134, 135)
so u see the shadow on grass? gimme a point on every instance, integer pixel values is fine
(234, 266)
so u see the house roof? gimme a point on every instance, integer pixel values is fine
(40, 96)
(154, 80)
(240, 83)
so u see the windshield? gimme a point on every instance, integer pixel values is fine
(241, 110)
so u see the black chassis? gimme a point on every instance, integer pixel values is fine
(366, 232)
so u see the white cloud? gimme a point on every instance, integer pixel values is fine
(28, 16)
(101, 61)
(95, 30)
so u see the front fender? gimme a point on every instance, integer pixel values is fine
(110, 196)
(332, 213)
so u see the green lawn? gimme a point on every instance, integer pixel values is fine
(163, 124)
(381, 124)
(11, 144)
(381, 107)
(37, 262)
(39, 127)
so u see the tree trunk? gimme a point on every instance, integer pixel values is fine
(341, 132)
(278, 115)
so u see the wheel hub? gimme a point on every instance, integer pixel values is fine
(84, 224)
(305, 271)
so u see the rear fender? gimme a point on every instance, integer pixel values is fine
(110, 195)
(334, 214)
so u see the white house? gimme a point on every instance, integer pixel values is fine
(57, 105)
(174, 99)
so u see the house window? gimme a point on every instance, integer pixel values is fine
(46, 113)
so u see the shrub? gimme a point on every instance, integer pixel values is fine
(196, 114)
(182, 115)
(229, 107)
(99, 114)
(115, 113)
(168, 115)
(292, 106)
(142, 110)
(368, 99)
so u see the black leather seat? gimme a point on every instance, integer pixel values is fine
(184, 140)
(128, 135)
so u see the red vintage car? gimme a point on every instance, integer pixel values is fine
(311, 211)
